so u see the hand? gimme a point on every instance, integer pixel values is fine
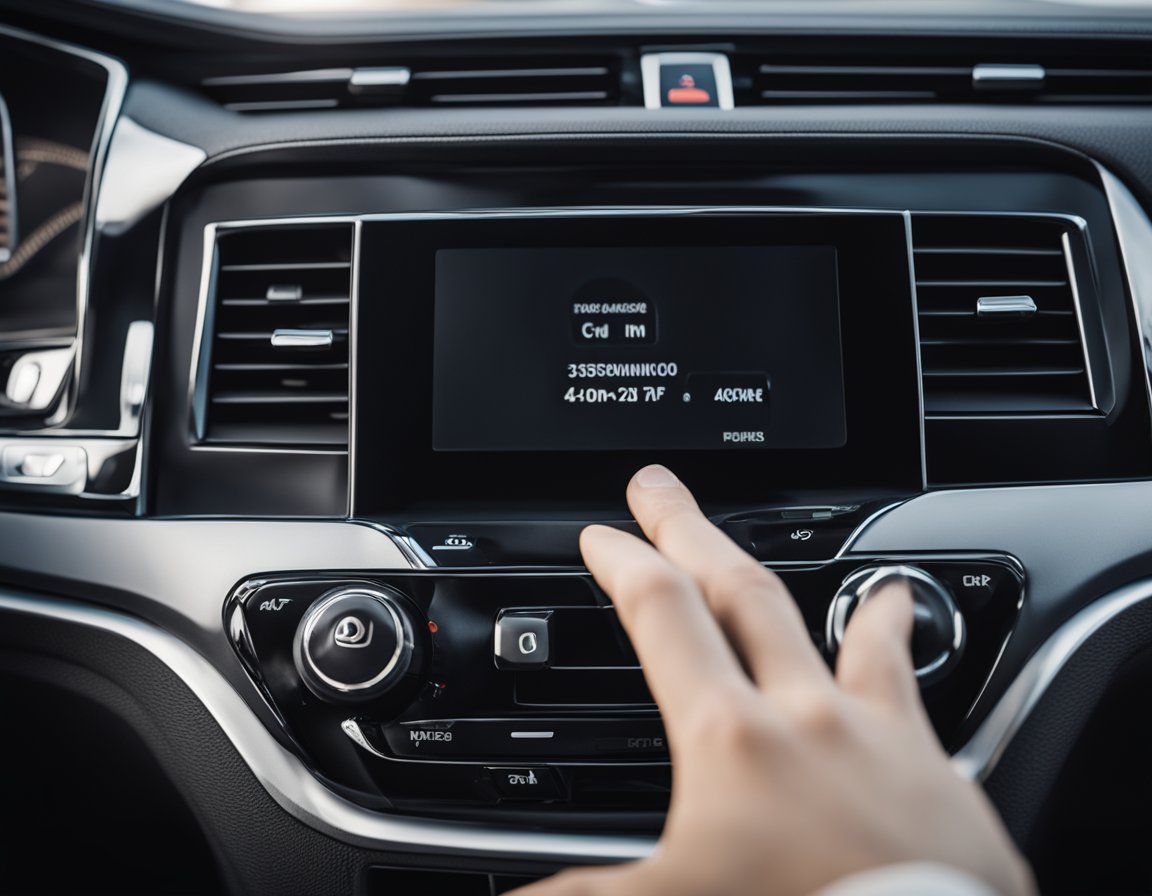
(786, 779)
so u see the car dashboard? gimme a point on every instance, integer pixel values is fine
(321, 340)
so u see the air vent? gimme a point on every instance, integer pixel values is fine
(278, 366)
(486, 81)
(999, 323)
(1022, 76)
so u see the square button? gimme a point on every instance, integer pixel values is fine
(536, 783)
(522, 639)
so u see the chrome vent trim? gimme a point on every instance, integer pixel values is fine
(1001, 326)
(909, 75)
(276, 314)
(519, 81)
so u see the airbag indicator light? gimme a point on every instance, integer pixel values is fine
(694, 80)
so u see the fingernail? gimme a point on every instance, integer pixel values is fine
(656, 476)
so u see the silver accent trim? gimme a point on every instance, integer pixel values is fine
(296, 791)
(96, 452)
(144, 169)
(1008, 77)
(114, 93)
(978, 758)
(135, 375)
(8, 169)
(376, 80)
(910, 245)
(1134, 236)
(532, 735)
(1066, 247)
(309, 76)
(352, 728)
(415, 557)
(651, 63)
(302, 339)
(1007, 306)
(290, 784)
(858, 588)
(37, 378)
(314, 613)
(284, 292)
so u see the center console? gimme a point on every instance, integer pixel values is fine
(537, 358)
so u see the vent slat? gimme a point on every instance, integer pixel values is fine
(986, 284)
(598, 71)
(997, 364)
(1004, 372)
(289, 266)
(556, 80)
(264, 398)
(520, 98)
(962, 72)
(280, 279)
(280, 305)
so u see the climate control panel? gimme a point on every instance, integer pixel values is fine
(479, 692)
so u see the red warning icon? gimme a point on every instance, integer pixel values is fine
(687, 93)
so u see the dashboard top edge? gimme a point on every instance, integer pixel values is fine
(945, 18)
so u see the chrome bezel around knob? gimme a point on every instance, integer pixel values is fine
(859, 587)
(325, 686)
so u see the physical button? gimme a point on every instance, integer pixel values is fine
(534, 783)
(522, 639)
(353, 644)
(809, 539)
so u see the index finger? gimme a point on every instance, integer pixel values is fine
(681, 648)
(754, 607)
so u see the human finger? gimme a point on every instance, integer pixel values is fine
(685, 657)
(752, 604)
(874, 661)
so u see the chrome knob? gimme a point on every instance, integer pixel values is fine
(354, 644)
(939, 632)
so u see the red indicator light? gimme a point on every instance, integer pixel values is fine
(688, 93)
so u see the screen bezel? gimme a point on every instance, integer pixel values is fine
(395, 469)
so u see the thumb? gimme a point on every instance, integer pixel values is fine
(611, 881)
(875, 658)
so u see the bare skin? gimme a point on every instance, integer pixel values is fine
(787, 778)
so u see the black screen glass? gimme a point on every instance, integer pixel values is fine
(632, 348)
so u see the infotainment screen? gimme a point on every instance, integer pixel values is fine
(627, 348)
(520, 361)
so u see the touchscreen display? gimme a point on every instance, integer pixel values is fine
(634, 348)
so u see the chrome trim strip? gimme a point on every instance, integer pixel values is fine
(114, 93)
(353, 355)
(1066, 248)
(198, 375)
(290, 784)
(144, 170)
(1134, 236)
(911, 248)
(978, 758)
(8, 171)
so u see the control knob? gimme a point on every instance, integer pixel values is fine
(355, 644)
(939, 633)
